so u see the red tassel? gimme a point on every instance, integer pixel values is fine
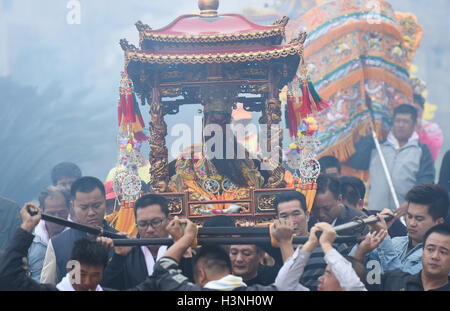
(319, 102)
(130, 116)
(141, 121)
(322, 105)
(119, 112)
(137, 111)
(123, 105)
(306, 101)
(140, 137)
(291, 116)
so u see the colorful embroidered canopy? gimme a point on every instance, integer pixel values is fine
(354, 48)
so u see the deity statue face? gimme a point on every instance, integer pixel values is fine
(219, 118)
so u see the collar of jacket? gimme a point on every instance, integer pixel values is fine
(412, 141)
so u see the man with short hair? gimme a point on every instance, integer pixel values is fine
(330, 165)
(246, 262)
(293, 217)
(246, 259)
(409, 162)
(350, 185)
(88, 256)
(54, 201)
(129, 266)
(343, 273)
(353, 192)
(212, 267)
(434, 276)
(89, 205)
(64, 174)
(427, 207)
(328, 206)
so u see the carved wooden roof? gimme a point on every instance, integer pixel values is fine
(226, 56)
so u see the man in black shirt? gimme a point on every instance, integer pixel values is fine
(436, 266)
(328, 206)
(246, 263)
(212, 268)
(130, 266)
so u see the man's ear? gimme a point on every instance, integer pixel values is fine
(261, 255)
(439, 221)
(339, 198)
(307, 215)
(202, 277)
(360, 204)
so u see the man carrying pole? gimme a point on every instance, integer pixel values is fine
(401, 160)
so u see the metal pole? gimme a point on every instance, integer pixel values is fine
(386, 171)
(380, 153)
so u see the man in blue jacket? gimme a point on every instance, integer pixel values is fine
(427, 207)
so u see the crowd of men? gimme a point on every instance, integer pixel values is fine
(410, 252)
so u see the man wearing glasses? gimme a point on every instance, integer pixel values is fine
(130, 266)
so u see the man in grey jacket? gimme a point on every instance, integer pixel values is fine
(409, 162)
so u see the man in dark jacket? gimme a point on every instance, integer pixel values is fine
(353, 192)
(328, 206)
(130, 266)
(89, 204)
(246, 263)
(9, 220)
(434, 275)
(89, 258)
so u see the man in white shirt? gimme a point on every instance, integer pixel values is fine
(340, 274)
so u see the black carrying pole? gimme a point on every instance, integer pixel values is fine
(88, 229)
(248, 235)
(225, 241)
(265, 239)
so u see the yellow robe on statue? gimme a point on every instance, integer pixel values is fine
(199, 176)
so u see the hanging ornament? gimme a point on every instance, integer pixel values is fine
(128, 109)
(311, 101)
(126, 182)
(302, 158)
(302, 101)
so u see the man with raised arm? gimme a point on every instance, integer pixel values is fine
(341, 274)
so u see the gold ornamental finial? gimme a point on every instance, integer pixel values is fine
(208, 8)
